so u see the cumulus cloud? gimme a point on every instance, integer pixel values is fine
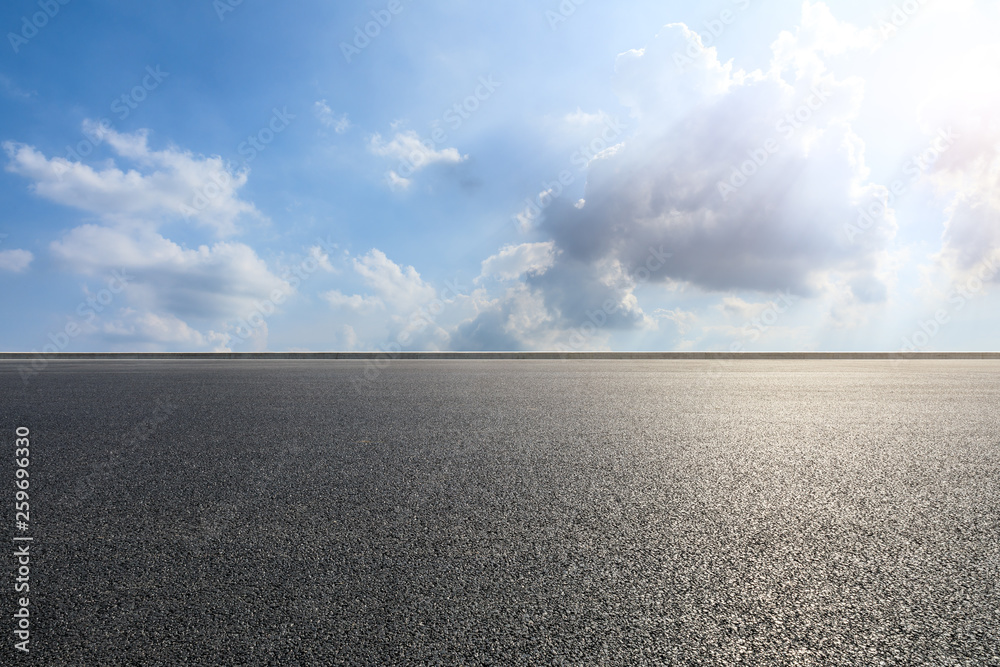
(399, 286)
(735, 307)
(515, 321)
(218, 285)
(515, 261)
(223, 280)
(401, 308)
(15, 261)
(161, 186)
(357, 302)
(581, 118)
(339, 124)
(345, 338)
(419, 331)
(411, 153)
(136, 328)
(684, 320)
(13, 91)
(749, 187)
(819, 36)
(397, 182)
(552, 304)
(746, 179)
(409, 147)
(964, 138)
(322, 259)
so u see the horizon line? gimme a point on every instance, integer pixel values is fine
(499, 355)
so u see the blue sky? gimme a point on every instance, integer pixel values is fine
(731, 175)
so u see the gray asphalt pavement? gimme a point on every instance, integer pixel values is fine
(509, 512)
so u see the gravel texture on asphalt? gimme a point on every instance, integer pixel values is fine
(509, 512)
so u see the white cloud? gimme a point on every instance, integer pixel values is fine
(819, 36)
(11, 90)
(743, 197)
(735, 307)
(515, 261)
(746, 179)
(581, 118)
(651, 84)
(517, 320)
(419, 331)
(15, 261)
(322, 259)
(401, 308)
(397, 182)
(549, 308)
(161, 186)
(339, 124)
(407, 147)
(960, 117)
(396, 285)
(684, 320)
(346, 338)
(136, 327)
(176, 297)
(338, 299)
(221, 282)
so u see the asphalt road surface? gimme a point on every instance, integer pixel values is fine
(508, 512)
